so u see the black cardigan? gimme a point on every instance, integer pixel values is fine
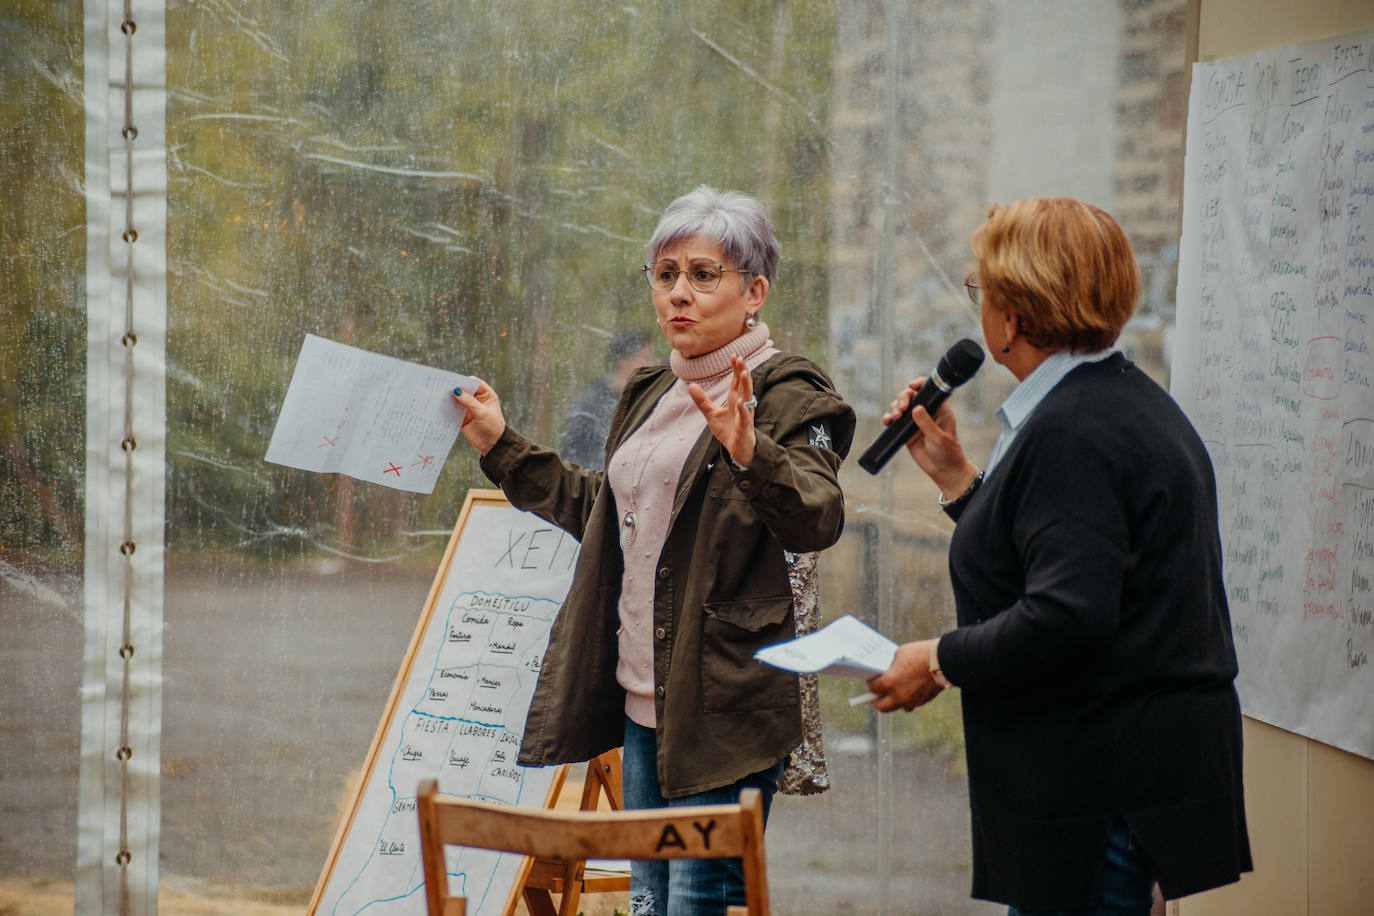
(1094, 650)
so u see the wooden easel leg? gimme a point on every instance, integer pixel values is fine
(572, 890)
(539, 902)
(606, 769)
(603, 775)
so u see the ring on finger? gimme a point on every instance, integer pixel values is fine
(752, 403)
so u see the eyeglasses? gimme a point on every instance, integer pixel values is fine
(704, 276)
(975, 292)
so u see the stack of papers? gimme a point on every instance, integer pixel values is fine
(846, 646)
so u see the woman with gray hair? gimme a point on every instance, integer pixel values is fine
(721, 468)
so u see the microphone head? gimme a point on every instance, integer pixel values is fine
(959, 363)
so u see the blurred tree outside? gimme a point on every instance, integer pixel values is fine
(43, 296)
(459, 186)
(469, 185)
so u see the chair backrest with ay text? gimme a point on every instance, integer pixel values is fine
(696, 832)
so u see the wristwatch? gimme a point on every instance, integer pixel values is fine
(935, 672)
(954, 501)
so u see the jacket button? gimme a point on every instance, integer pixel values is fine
(745, 484)
(664, 573)
(661, 633)
(660, 690)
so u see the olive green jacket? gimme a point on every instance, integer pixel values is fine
(722, 591)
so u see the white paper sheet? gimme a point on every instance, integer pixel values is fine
(372, 417)
(846, 646)
(458, 717)
(1272, 362)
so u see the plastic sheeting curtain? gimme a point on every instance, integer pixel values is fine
(468, 185)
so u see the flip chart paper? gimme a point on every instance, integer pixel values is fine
(457, 715)
(1272, 362)
(372, 417)
(846, 646)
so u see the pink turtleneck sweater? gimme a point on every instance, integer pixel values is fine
(643, 474)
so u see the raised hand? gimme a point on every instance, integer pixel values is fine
(484, 422)
(935, 446)
(732, 423)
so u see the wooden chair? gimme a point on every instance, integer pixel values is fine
(571, 879)
(698, 832)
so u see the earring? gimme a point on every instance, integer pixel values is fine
(1006, 349)
(752, 321)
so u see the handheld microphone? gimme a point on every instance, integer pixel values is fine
(957, 366)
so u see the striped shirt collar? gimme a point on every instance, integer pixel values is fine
(1023, 400)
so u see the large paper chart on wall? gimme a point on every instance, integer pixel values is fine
(457, 713)
(1273, 363)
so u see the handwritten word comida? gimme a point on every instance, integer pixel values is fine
(671, 838)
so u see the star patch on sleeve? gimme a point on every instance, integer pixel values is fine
(819, 435)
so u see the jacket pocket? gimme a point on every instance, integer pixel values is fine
(732, 679)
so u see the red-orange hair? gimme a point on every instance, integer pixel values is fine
(1064, 266)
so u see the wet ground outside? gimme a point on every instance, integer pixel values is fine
(273, 687)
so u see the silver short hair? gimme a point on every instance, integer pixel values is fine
(732, 219)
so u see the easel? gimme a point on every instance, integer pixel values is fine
(571, 880)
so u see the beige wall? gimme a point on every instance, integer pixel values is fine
(1311, 813)
(1310, 806)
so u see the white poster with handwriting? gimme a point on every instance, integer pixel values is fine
(458, 717)
(1273, 363)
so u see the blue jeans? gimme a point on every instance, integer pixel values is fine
(682, 887)
(1127, 885)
